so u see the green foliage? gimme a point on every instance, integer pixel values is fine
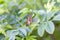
(50, 27)
(41, 29)
(57, 17)
(14, 14)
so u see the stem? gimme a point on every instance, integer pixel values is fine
(32, 29)
(52, 37)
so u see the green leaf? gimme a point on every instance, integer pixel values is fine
(42, 17)
(49, 27)
(2, 37)
(51, 14)
(41, 29)
(23, 10)
(12, 37)
(22, 32)
(11, 34)
(57, 18)
(31, 37)
(8, 26)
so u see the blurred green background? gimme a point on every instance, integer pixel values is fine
(9, 14)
